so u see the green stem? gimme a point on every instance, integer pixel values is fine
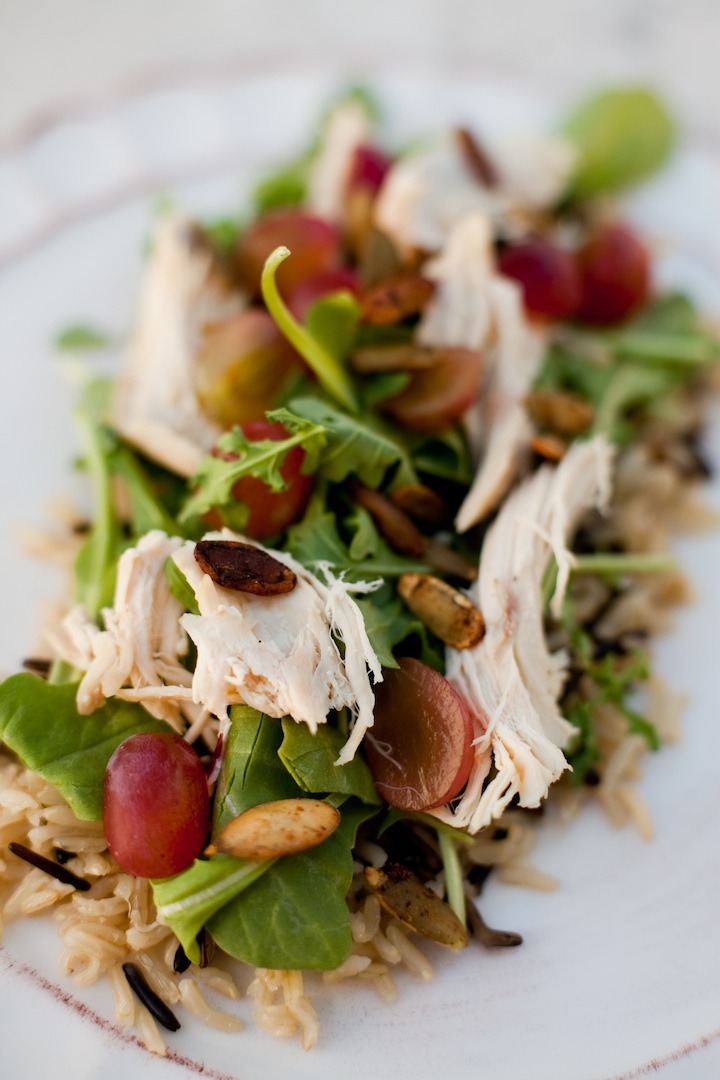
(453, 875)
(329, 371)
(622, 563)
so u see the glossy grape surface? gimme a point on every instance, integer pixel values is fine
(615, 268)
(420, 747)
(438, 396)
(549, 277)
(155, 805)
(304, 295)
(368, 169)
(314, 245)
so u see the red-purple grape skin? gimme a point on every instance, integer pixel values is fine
(616, 274)
(314, 246)
(549, 277)
(307, 292)
(271, 511)
(420, 748)
(438, 396)
(156, 806)
(369, 168)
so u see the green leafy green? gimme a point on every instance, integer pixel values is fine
(356, 446)
(444, 454)
(310, 760)
(284, 188)
(96, 562)
(621, 136)
(147, 511)
(328, 366)
(186, 902)
(333, 321)
(82, 337)
(180, 587)
(223, 233)
(295, 915)
(216, 476)
(40, 723)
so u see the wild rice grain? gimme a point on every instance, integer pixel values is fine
(157, 1008)
(49, 867)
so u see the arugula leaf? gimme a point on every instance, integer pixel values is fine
(316, 539)
(186, 902)
(96, 561)
(621, 135)
(378, 388)
(328, 366)
(444, 454)
(360, 447)
(40, 723)
(310, 760)
(296, 915)
(81, 337)
(216, 477)
(389, 624)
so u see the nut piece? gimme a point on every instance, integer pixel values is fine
(272, 829)
(550, 447)
(559, 411)
(447, 561)
(396, 299)
(395, 526)
(448, 613)
(422, 504)
(402, 357)
(244, 567)
(400, 893)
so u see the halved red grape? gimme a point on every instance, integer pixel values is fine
(615, 269)
(304, 295)
(549, 277)
(156, 807)
(438, 396)
(241, 367)
(314, 243)
(420, 748)
(368, 168)
(271, 511)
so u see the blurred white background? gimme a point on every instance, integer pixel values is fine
(57, 53)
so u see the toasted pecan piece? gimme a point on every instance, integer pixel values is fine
(551, 447)
(244, 567)
(422, 504)
(476, 158)
(444, 610)
(396, 299)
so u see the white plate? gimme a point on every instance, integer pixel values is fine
(618, 975)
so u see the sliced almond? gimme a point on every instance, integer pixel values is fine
(550, 447)
(273, 829)
(396, 299)
(448, 613)
(422, 504)
(395, 526)
(374, 359)
(244, 567)
(400, 893)
(560, 411)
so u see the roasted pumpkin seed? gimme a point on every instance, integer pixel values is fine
(444, 610)
(416, 906)
(273, 829)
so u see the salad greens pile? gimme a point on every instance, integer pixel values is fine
(291, 913)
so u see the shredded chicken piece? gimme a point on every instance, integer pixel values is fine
(156, 407)
(280, 654)
(346, 129)
(510, 680)
(459, 313)
(515, 361)
(142, 641)
(534, 168)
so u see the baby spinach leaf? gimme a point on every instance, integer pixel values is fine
(186, 902)
(621, 135)
(295, 916)
(216, 477)
(328, 366)
(333, 321)
(357, 446)
(252, 772)
(41, 724)
(310, 760)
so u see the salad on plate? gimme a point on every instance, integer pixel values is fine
(382, 496)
